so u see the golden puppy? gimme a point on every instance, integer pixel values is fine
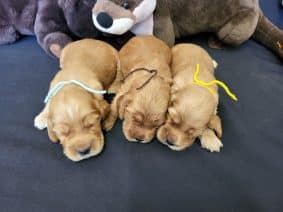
(74, 114)
(143, 98)
(192, 110)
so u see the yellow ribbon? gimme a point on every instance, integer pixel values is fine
(213, 82)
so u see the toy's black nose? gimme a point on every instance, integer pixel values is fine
(84, 152)
(104, 20)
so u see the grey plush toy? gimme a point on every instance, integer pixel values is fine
(54, 22)
(233, 21)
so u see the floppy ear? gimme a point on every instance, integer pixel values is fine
(120, 103)
(215, 124)
(145, 27)
(102, 106)
(118, 107)
(51, 134)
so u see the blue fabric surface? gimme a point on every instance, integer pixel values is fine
(246, 176)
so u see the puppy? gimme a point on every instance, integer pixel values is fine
(143, 97)
(192, 110)
(73, 116)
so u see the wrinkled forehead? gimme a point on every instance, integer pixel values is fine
(70, 109)
(192, 115)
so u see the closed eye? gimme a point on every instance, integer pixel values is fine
(90, 120)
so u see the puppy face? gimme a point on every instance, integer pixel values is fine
(144, 111)
(187, 118)
(75, 120)
(119, 16)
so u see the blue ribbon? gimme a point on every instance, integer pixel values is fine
(61, 84)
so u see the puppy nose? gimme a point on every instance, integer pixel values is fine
(84, 152)
(105, 20)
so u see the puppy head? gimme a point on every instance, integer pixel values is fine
(144, 110)
(119, 16)
(187, 118)
(75, 120)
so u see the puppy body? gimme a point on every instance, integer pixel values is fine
(143, 98)
(74, 115)
(192, 111)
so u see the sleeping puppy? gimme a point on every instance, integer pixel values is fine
(143, 98)
(192, 110)
(74, 114)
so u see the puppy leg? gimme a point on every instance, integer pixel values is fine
(118, 107)
(210, 141)
(41, 120)
(110, 120)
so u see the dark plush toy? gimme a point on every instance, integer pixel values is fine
(54, 22)
(233, 21)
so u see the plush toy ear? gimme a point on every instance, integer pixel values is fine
(144, 28)
(144, 18)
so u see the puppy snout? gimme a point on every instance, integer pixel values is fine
(84, 151)
(105, 20)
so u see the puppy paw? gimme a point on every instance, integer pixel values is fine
(215, 64)
(210, 141)
(40, 122)
(108, 123)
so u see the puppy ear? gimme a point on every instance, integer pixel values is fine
(215, 124)
(50, 129)
(102, 106)
(122, 103)
(117, 109)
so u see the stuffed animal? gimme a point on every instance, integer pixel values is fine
(54, 22)
(233, 21)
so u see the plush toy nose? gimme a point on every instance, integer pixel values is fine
(104, 20)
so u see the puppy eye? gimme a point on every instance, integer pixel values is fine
(90, 120)
(125, 5)
(62, 129)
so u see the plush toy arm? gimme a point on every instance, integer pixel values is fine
(163, 25)
(50, 27)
